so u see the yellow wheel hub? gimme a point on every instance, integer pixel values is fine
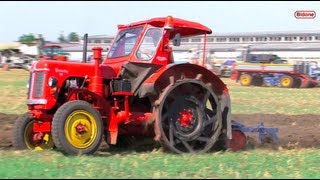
(81, 129)
(45, 143)
(285, 81)
(245, 80)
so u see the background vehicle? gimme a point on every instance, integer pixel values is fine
(226, 68)
(53, 52)
(18, 55)
(269, 69)
(13, 56)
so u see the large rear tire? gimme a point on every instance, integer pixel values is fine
(77, 128)
(189, 117)
(23, 135)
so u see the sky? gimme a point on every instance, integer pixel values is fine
(51, 18)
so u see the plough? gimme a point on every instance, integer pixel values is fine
(239, 140)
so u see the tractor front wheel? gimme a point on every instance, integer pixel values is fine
(25, 138)
(77, 128)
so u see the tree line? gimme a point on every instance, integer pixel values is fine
(30, 38)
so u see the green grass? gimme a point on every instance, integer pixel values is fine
(248, 164)
(13, 91)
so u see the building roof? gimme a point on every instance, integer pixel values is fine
(315, 46)
(79, 47)
(268, 33)
(101, 37)
(242, 34)
(261, 47)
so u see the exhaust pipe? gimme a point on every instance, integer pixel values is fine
(85, 45)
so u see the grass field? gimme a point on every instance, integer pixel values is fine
(281, 163)
(248, 164)
(13, 87)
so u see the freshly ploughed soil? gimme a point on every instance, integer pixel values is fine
(295, 131)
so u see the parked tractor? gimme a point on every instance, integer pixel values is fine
(138, 90)
(302, 74)
(53, 52)
(271, 70)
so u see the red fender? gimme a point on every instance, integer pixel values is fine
(160, 79)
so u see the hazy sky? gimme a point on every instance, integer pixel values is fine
(50, 18)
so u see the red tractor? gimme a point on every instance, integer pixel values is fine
(137, 90)
(53, 52)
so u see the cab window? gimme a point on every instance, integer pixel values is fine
(124, 42)
(149, 44)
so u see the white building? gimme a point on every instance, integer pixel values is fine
(289, 45)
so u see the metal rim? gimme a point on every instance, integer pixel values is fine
(286, 81)
(46, 141)
(245, 80)
(81, 129)
(199, 136)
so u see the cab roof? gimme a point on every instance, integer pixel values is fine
(184, 27)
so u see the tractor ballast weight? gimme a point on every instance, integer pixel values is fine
(137, 90)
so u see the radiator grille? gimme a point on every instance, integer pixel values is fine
(38, 84)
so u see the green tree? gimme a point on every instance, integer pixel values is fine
(73, 37)
(61, 38)
(27, 38)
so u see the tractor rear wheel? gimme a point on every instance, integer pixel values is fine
(188, 117)
(286, 81)
(25, 138)
(245, 79)
(77, 128)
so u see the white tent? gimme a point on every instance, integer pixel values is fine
(13, 45)
(28, 50)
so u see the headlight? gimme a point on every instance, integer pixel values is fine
(52, 82)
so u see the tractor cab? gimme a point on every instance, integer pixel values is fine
(139, 49)
(149, 41)
(54, 52)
